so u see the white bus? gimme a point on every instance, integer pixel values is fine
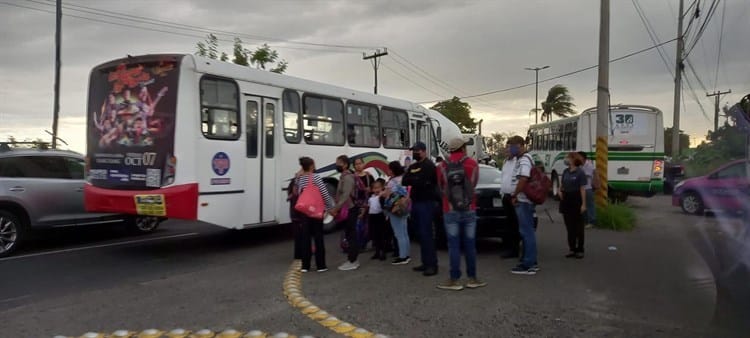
(636, 148)
(179, 136)
(476, 147)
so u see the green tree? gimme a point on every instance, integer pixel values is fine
(559, 102)
(459, 112)
(261, 58)
(684, 141)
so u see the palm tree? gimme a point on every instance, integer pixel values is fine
(558, 102)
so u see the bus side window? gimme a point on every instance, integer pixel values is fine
(395, 128)
(362, 125)
(323, 120)
(291, 117)
(220, 111)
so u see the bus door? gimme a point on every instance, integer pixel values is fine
(260, 172)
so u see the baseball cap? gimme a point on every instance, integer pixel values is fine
(419, 146)
(456, 143)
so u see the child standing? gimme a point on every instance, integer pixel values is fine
(376, 221)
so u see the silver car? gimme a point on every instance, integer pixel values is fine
(44, 189)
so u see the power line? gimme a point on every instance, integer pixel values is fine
(153, 21)
(652, 34)
(695, 97)
(167, 31)
(408, 79)
(563, 75)
(706, 20)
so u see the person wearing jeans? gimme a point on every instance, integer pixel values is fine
(344, 194)
(422, 178)
(523, 206)
(398, 223)
(459, 207)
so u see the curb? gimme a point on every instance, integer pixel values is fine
(292, 287)
(181, 333)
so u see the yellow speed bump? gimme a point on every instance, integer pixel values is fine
(360, 333)
(122, 334)
(330, 322)
(229, 334)
(303, 304)
(92, 335)
(343, 328)
(318, 316)
(255, 334)
(205, 333)
(310, 309)
(178, 333)
(150, 333)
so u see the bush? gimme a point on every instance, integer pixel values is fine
(618, 217)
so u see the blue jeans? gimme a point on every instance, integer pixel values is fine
(457, 222)
(525, 214)
(590, 207)
(399, 226)
(422, 213)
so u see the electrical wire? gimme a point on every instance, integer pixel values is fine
(652, 34)
(721, 37)
(408, 79)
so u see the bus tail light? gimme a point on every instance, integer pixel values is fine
(658, 168)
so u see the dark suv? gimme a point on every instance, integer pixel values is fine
(44, 189)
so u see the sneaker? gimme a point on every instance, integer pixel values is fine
(474, 283)
(430, 272)
(323, 270)
(589, 226)
(570, 255)
(401, 261)
(303, 270)
(522, 270)
(579, 255)
(349, 266)
(420, 268)
(535, 267)
(451, 284)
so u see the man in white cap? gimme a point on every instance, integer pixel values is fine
(457, 178)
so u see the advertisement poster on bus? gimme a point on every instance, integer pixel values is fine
(131, 119)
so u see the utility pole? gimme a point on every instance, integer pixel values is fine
(536, 101)
(678, 83)
(375, 57)
(718, 95)
(602, 108)
(480, 126)
(58, 38)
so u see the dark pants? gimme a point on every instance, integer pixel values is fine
(570, 207)
(512, 239)
(350, 231)
(296, 228)
(312, 229)
(377, 227)
(422, 213)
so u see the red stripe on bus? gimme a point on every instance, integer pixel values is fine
(181, 200)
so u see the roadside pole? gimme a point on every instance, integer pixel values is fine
(602, 108)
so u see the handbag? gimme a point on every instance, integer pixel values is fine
(343, 214)
(310, 201)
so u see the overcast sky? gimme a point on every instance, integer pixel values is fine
(465, 48)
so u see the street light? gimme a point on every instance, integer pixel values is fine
(536, 101)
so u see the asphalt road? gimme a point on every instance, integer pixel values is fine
(674, 276)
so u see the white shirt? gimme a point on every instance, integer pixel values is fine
(522, 169)
(506, 185)
(374, 203)
(588, 169)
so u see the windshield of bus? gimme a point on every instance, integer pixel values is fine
(130, 129)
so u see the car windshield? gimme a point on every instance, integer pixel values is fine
(490, 176)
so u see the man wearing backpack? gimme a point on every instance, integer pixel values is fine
(457, 178)
(421, 176)
(523, 205)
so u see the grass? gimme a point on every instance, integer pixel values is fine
(618, 217)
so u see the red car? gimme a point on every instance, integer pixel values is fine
(726, 188)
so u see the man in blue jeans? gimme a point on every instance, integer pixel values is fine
(422, 178)
(458, 178)
(524, 207)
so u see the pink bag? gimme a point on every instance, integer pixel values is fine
(310, 201)
(343, 213)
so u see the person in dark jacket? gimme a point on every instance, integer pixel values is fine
(421, 176)
(572, 203)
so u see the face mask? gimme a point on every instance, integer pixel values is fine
(416, 156)
(515, 150)
(340, 168)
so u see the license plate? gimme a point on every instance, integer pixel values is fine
(497, 202)
(623, 171)
(150, 205)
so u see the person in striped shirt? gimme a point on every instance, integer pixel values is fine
(312, 228)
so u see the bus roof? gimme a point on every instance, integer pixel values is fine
(631, 107)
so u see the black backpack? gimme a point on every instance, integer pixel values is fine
(458, 189)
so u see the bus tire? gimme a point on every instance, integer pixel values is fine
(143, 224)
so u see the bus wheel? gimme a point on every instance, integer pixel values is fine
(555, 186)
(616, 196)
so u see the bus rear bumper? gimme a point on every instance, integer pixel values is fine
(179, 201)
